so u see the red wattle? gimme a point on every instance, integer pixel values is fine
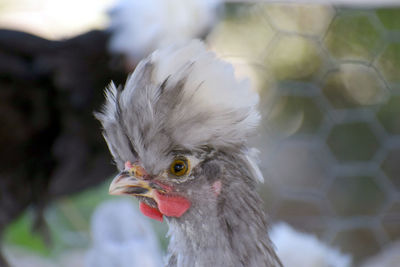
(172, 206)
(150, 212)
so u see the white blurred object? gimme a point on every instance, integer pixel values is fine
(140, 27)
(389, 257)
(296, 249)
(19, 257)
(122, 237)
(54, 19)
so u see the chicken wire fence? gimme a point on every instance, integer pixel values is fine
(329, 81)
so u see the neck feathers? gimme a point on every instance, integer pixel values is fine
(230, 230)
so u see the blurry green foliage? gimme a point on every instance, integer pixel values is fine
(389, 115)
(352, 37)
(293, 114)
(19, 233)
(244, 33)
(353, 86)
(308, 19)
(389, 62)
(79, 208)
(390, 18)
(294, 58)
(64, 217)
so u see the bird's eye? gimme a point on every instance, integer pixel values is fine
(179, 167)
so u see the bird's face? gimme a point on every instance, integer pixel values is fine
(166, 192)
(167, 127)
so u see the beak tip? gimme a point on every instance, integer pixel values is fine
(113, 191)
(123, 184)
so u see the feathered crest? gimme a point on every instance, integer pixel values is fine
(180, 97)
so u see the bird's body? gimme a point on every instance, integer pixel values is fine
(225, 230)
(49, 89)
(122, 238)
(178, 133)
(50, 145)
(140, 27)
(313, 252)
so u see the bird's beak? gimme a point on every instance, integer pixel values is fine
(131, 181)
(134, 181)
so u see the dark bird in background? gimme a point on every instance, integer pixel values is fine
(178, 133)
(49, 139)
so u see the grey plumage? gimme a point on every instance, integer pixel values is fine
(184, 102)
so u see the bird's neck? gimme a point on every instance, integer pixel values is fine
(225, 231)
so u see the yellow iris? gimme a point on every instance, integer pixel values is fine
(179, 167)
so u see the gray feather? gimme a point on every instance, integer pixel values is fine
(184, 101)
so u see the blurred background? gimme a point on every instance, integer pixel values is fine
(329, 81)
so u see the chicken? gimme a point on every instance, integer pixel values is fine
(121, 237)
(140, 27)
(49, 89)
(313, 252)
(50, 146)
(178, 134)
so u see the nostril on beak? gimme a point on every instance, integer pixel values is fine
(136, 190)
(122, 175)
(147, 177)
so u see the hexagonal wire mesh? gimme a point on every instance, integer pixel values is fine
(329, 80)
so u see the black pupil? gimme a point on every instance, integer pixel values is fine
(179, 167)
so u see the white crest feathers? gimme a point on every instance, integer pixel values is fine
(180, 96)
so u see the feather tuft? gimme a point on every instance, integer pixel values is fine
(180, 97)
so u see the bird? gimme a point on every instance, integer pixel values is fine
(288, 240)
(50, 146)
(49, 88)
(140, 27)
(121, 237)
(178, 133)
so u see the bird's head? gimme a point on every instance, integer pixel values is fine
(178, 126)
